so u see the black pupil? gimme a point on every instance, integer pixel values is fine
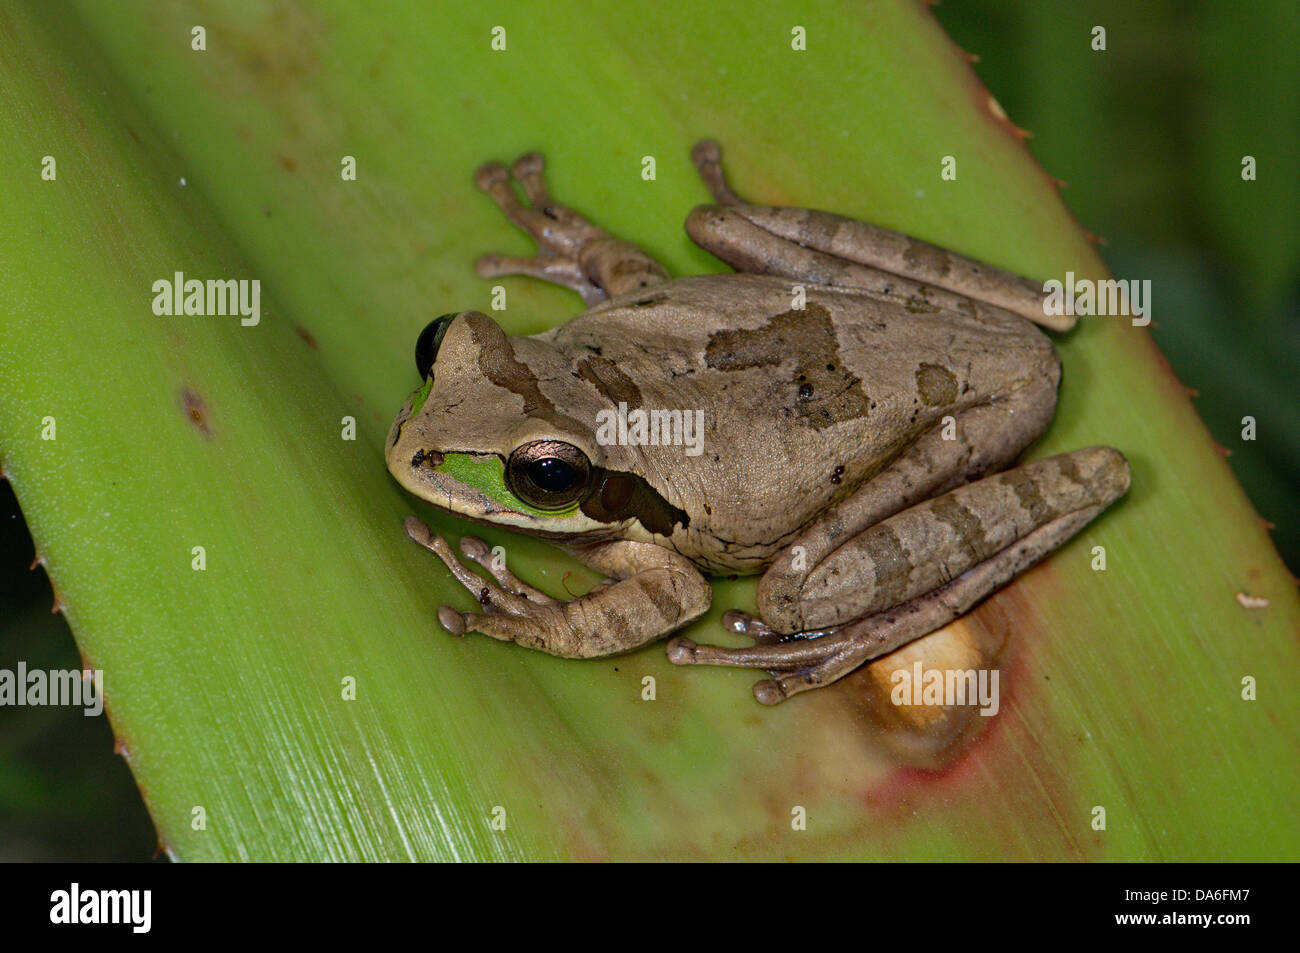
(551, 474)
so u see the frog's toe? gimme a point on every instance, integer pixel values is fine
(549, 267)
(451, 620)
(507, 594)
(528, 165)
(681, 651)
(471, 547)
(494, 266)
(477, 551)
(775, 658)
(742, 623)
(768, 692)
(418, 531)
(489, 174)
(528, 171)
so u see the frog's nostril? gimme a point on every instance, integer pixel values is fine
(426, 457)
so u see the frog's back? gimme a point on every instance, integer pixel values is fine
(800, 404)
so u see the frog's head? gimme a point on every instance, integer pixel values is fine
(501, 431)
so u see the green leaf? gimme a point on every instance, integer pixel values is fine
(226, 685)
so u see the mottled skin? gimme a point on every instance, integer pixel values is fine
(857, 386)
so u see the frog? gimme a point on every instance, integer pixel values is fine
(862, 399)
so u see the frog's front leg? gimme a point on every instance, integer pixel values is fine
(914, 571)
(571, 250)
(823, 248)
(651, 592)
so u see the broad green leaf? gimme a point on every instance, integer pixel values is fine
(1120, 688)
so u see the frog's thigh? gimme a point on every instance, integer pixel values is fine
(927, 545)
(853, 645)
(987, 438)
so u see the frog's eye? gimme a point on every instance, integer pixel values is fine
(548, 474)
(426, 345)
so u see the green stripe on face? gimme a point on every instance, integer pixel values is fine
(488, 476)
(421, 395)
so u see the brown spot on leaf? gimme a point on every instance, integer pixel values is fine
(196, 410)
(306, 336)
(936, 737)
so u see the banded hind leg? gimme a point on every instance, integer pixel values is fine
(824, 248)
(914, 571)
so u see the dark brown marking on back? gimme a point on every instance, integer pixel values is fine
(825, 391)
(937, 385)
(604, 375)
(500, 366)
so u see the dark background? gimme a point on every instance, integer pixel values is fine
(1149, 136)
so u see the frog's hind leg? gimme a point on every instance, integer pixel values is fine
(876, 593)
(812, 663)
(823, 248)
(985, 438)
(571, 250)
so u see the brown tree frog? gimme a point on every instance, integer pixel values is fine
(838, 415)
